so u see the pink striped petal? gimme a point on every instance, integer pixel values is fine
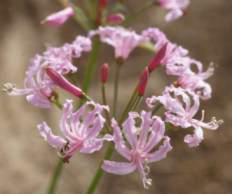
(46, 132)
(161, 153)
(119, 168)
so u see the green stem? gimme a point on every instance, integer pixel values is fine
(55, 177)
(104, 101)
(91, 66)
(116, 82)
(100, 172)
(137, 103)
(129, 105)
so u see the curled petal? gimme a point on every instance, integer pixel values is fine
(156, 134)
(46, 132)
(39, 100)
(173, 15)
(91, 145)
(119, 142)
(130, 130)
(65, 126)
(119, 168)
(161, 153)
(195, 139)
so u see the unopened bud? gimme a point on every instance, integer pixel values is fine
(156, 61)
(103, 3)
(59, 18)
(100, 9)
(116, 18)
(63, 83)
(143, 82)
(104, 73)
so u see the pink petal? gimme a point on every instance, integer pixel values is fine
(130, 130)
(119, 168)
(157, 133)
(119, 142)
(60, 17)
(161, 153)
(91, 145)
(195, 139)
(173, 15)
(55, 141)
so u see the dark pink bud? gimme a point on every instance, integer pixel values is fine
(63, 83)
(103, 3)
(156, 61)
(116, 18)
(143, 82)
(101, 7)
(104, 73)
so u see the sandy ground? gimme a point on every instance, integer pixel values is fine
(26, 161)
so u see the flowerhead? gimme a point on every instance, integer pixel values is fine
(124, 41)
(195, 80)
(38, 87)
(80, 130)
(181, 107)
(143, 133)
(175, 8)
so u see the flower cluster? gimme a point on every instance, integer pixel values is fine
(38, 86)
(138, 136)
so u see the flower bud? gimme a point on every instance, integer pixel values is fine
(63, 83)
(158, 58)
(100, 9)
(104, 73)
(103, 3)
(59, 18)
(116, 18)
(143, 82)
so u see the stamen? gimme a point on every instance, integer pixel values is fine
(8, 87)
(202, 115)
(217, 122)
(147, 182)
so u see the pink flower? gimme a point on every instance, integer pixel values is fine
(124, 41)
(80, 130)
(174, 55)
(79, 45)
(181, 107)
(156, 36)
(195, 81)
(59, 18)
(38, 86)
(142, 139)
(175, 8)
(177, 62)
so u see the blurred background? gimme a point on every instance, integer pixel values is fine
(26, 161)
